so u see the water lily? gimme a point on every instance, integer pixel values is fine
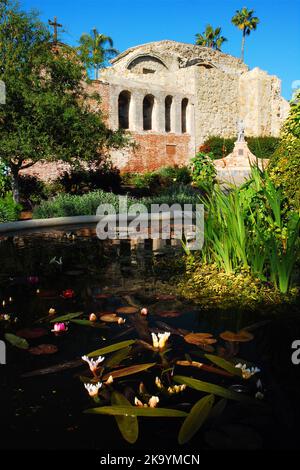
(152, 403)
(92, 317)
(176, 389)
(52, 311)
(158, 383)
(144, 311)
(109, 380)
(247, 372)
(68, 294)
(160, 340)
(59, 328)
(93, 363)
(93, 389)
(121, 321)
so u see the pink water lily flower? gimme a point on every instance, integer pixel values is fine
(59, 328)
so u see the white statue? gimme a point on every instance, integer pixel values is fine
(241, 130)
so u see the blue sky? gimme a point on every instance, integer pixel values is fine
(274, 46)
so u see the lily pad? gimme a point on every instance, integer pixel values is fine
(165, 297)
(110, 318)
(32, 333)
(43, 349)
(242, 336)
(169, 314)
(200, 339)
(127, 310)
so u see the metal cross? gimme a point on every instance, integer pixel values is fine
(55, 25)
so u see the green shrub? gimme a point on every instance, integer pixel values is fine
(203, 171)
(261, 147)
(81, 181)
(9, 210)
(217, 147)
(32, 189)
(161, 178)
(284, 166)
(65, 205)
(5, 185)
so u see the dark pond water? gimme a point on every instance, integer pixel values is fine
(42, 396)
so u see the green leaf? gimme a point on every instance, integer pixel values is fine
(68, 316)
(226, 365)
(215, 389)
(16, 341)
(217, 410)
(128, 370)
(116, 358)
(128, 425)
(195, 419)
(119, 410)
(111, 348)
(88, 323)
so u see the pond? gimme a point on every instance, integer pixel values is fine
(128, 286)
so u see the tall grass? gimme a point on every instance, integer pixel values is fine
(248, 227)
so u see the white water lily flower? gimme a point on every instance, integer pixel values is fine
(93, 364)
(247, 372)
(152, 403)
(176, 389)
(93, 389)
(109, 380)
(121, 321)
(158, 383)
(159, 341)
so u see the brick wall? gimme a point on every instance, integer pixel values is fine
(153, 151)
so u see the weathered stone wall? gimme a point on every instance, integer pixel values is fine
(217, 89)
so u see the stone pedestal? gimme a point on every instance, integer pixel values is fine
(236, 167)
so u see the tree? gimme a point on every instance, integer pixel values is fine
(246, 22)
(47, 115)
(210, 38)
(93, 51)
(284, 166)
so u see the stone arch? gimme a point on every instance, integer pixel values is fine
(146, 63)
(184, 106)
(168, 107)
(123, 109)
(148, 105)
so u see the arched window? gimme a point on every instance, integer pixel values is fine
(148, 105)
(124, 104)
(184, 105)
(168, 106)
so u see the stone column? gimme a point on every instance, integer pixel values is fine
(176, 115)
(136, 111)
(158, 117)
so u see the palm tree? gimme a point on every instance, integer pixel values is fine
(246, 22)
(210, 38)
(93, 51)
